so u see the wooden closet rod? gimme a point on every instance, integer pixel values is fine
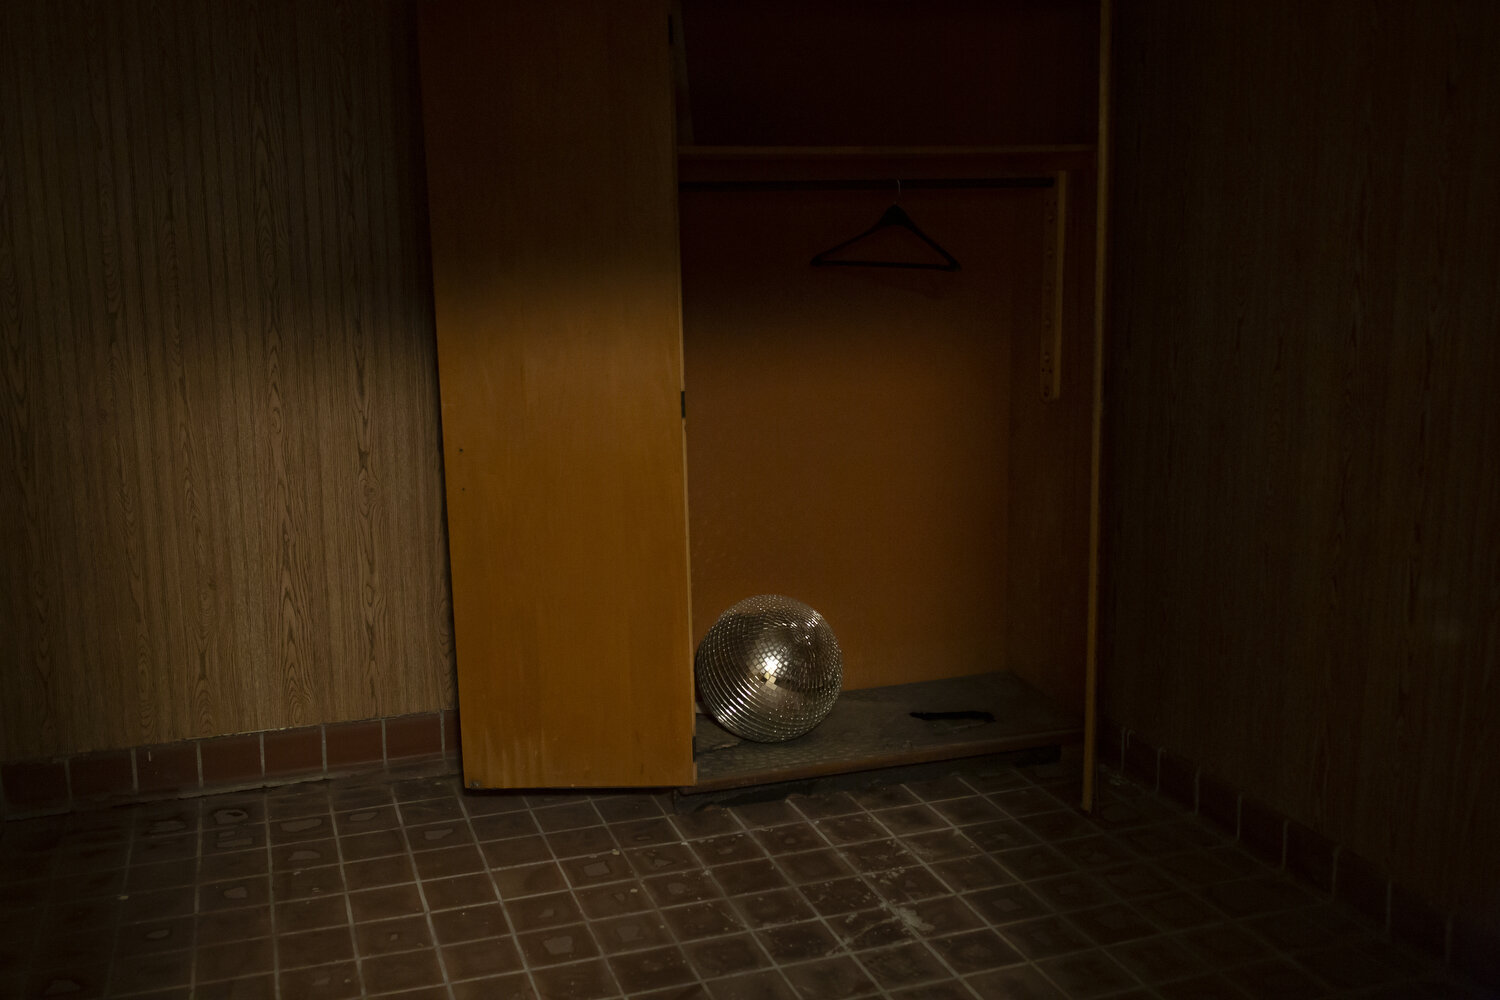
(936, 183)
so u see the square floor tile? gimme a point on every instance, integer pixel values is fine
(726, 956)
(632, 932)
(798, 942)
(765, 984)
(557, 945)
(789, 837)
(700, 920)
(385, 902)
(865, 929)
(1045, 937)
(1018, 982)
(975, 951)
(1087, 974)
(402, 971)
(840, 895)
(512, 986)
(336, 981)
(1158, 960)
(814, 866)
(942, 915)
(642, 833)
(310, 914)
(658, 859)
(314, 947)
(654, 969)
(844, 894)
(682, 887)
(465, 923)
(384, 937)
(595, 869)
(748, 876)
(536, 912)
(485, 957)
(613, 900)
(516, 851)
(583, 840)
(903, 965)
(830, 979)
(590, 980)
(236, 960)
(779, 906)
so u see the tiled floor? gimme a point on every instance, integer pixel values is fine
(984, 883)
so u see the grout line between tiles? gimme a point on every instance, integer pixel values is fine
(338, 847)
(942, 959)
(109, 973)
(728, 900)
(660, 911)
(198, 834)
(843, 946)
(271, 900)
(573, 890)
(494, 887)
(958, 896)
(792, 886)
(1112, 896)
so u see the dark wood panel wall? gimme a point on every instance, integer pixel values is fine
(1302, 529)
(891, 72)
(221, 502)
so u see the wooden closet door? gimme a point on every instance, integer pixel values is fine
(552, 187)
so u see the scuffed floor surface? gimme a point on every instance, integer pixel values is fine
(985, 883)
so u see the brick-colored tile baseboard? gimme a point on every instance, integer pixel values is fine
(1329, 867)
(220, 763)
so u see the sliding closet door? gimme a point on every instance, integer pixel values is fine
(551, 178)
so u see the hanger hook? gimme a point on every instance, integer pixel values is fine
(898, 189)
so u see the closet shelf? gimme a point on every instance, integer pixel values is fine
(716, 164)
(873, 728)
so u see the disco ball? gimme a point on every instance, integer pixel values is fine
(770, 669)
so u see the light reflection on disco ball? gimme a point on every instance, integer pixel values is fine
(770, 669)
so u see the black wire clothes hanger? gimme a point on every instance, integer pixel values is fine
(894, 217)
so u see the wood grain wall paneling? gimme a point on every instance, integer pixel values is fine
(220, 409)
(890, 73)
(1303, 451)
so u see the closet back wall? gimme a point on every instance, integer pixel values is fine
(221, 499)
